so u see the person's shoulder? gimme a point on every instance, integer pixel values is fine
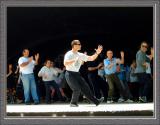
(80, 53)
(43, 68)
(105, 59)
(21, 58)
(139, 52)
(116, 59)
(68, 52)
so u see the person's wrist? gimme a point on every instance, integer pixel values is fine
(97, 53)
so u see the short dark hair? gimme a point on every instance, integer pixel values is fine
(24, 50)
(74, 42)
(48, 59)
(144, 42)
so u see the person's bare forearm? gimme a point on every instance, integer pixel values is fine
(122, 60)
(109, 66)
(93, 57)
(150, 57)
(24, 64)
(36, 62)
(92, 68)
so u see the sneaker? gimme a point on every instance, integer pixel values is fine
(36, 103)
(100, 101)
(19, 101)
(129, 101)
(73, 105)
(27, 103)
(109, 101)
(143, 99)
(120, 100)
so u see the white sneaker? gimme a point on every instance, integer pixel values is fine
(129, 101)
(121, 100)
(109, 101)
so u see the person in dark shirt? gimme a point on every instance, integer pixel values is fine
(97, 84)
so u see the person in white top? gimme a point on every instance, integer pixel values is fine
(73, 61)
(58, 78)
(48, 73)
(26, 65)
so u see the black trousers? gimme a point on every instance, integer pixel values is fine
(134, 89)
(77, 83)
(114, 81)
(97, 85)
(145, 84)
(48, 85)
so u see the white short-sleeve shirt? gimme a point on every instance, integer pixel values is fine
(75, 66)
(28, 69)
(49, 72)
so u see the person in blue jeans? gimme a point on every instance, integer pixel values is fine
(26, 65)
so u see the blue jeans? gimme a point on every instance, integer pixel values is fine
(29, 85)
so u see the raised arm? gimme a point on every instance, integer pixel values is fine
(121, 61)
(36, 58)
(98, 51)
(151, 56)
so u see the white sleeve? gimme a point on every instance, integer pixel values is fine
(83, 57)
(58, 70)
(20, 61)
(41, 71)
(66, 57)
(34, 62)
(55, 72)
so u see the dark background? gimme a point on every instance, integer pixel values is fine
(50, 30)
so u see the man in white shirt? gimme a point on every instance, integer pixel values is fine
(48, 73)
(26, 65)
(73, 61)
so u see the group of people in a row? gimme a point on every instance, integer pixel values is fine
(106, 79)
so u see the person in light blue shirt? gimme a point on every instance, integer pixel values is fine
(133, 82)
(110, 64)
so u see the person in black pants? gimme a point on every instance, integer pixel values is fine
(142, 61)
(47, 73)
(73, 61)
(97, 84)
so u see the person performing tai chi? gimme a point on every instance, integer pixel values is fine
(27, 65)
(73, 61)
